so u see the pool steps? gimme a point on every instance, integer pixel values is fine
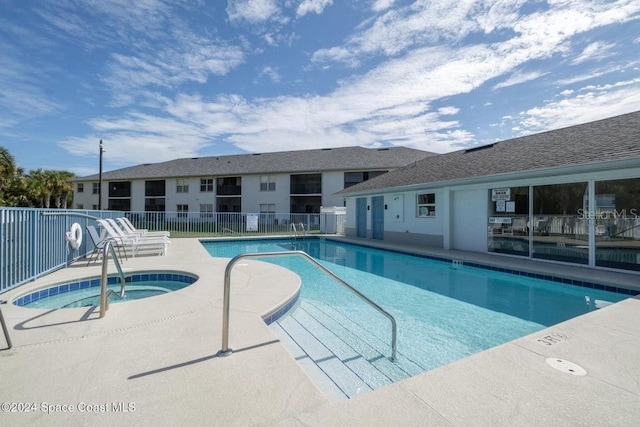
(342, 357)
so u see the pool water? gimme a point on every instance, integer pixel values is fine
(444, 312)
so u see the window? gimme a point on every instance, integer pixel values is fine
(95, 188)
(267, 183)
(94, 207)
(120, 189)
(206, 210)
(120, 204)
(353, 178)
(559, 232)
(616, 215)
(79, 206)
(183, 211)
(267, 208)
(152, 204)
(306, 184)
(229, 186)
(206, 185)
(426, 205)
(154, 188)
(80, 187)
(508, 224)
(182, 186)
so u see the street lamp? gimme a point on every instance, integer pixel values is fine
(100, 179)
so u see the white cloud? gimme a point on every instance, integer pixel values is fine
(594, 52)
(271, 73)
(566, 92)
(391, 103)
(594, 73)
(315, 6)
(380, 5)
(191, 59)
(448, 111)
(252, 11)
(590, 103)
(519, 77)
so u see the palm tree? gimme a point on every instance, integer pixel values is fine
(62, 187)
(39, 188)
(7, 171)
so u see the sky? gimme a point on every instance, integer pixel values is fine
(157, 80)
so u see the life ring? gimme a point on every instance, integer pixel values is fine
(74, 236)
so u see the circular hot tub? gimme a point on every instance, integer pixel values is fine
(85, 292)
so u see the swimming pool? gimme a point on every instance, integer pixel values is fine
(86, 292)
(444, 312)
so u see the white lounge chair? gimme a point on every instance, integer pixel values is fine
(136, 242)
(98, 245)
(128, 227)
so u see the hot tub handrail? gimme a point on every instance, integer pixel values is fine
(104, 293)
(4, 328)
(225, 351)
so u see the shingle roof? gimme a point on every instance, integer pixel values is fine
(615, 138)
(346, 158)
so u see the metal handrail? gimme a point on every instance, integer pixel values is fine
(4, 328)
(104, 293)
(225, 351)
(295, 232)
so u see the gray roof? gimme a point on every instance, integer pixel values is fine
(346, 158)
(616, 138)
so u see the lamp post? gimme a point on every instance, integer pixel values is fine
(100, 179)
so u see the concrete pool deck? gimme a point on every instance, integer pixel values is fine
(156, 358)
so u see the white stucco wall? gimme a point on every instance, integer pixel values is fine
(468, 228)
(332, 182)
(252, 197)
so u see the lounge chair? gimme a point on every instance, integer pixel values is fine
(98, 244)
(157, 244)
(133, 234)
(128, 227)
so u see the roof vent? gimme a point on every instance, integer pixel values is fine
(325, 149)
(383, 149)
(195, 158)
(482, 147)
(146, 164)
(256, 154)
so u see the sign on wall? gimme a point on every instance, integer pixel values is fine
(498, 194)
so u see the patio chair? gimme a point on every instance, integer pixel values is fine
(137, 242)
(128, 227)
(121, 231)
(98, 245)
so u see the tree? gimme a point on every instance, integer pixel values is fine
(7, 171)
(37, 188)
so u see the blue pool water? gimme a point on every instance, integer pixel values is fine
(86, 292)
(444, 312)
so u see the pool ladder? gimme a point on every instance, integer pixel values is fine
(295, 230)
(104, 292)
(225, 351)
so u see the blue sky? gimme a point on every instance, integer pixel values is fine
(164, 79)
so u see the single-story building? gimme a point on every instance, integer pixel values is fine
(568, 195)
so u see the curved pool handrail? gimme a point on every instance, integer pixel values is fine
(225, 351)
(4, 328)
(104, 293)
